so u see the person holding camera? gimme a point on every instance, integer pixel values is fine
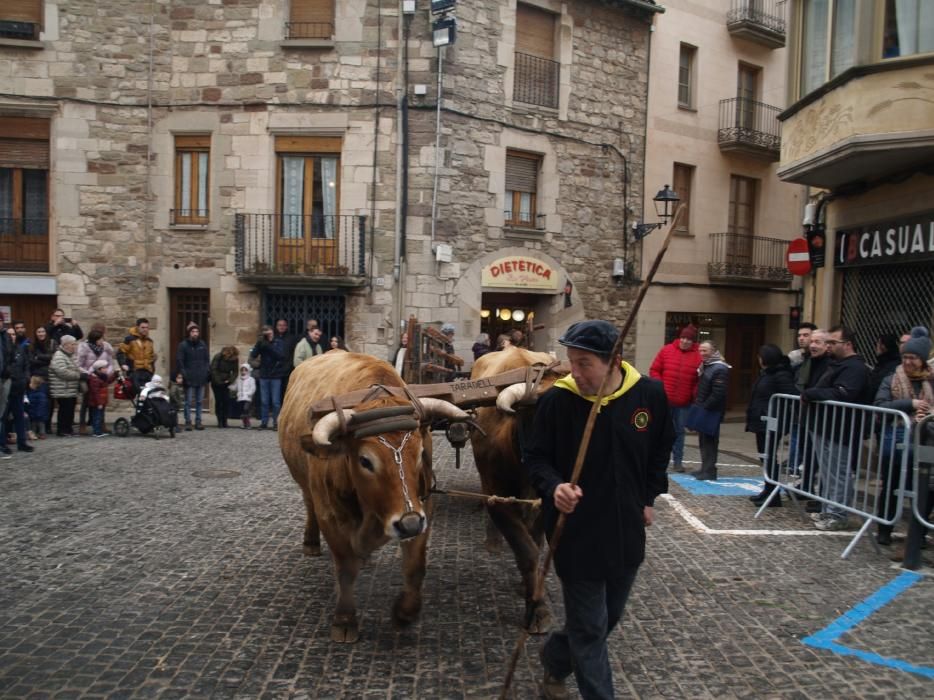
(272, 351)
(60, 324)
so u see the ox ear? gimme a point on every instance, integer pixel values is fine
(321, 452)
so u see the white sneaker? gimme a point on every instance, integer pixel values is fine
(817, 517)
(832, 524)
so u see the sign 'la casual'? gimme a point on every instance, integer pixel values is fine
(907, 240)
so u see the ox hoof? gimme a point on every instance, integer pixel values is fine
(494, 545)
(312, 550)
(406, 608)
(344, 629)
(540, 619)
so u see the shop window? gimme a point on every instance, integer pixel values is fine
(537, 72)
(522, 189)
(192, 179)
(24, 194)
(686, 60)
(21, 19)
(682, 181)
(310, 19)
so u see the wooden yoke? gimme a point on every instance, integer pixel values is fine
(468, 393)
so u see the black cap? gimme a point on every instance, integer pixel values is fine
(593, 336)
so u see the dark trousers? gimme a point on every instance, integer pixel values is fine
(221, 400)
(16, 410)
(709, 448)
(66, 415)
(592, 609)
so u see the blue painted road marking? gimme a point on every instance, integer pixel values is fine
(727, 486)
(826, 638)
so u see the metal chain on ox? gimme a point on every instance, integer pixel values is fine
(397, 457)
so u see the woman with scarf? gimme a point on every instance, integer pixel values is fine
(93, 349)
(713, 379)
(909, 389)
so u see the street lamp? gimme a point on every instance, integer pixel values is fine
(665, 202)
(443, 32)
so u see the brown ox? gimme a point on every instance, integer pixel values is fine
(502, 473)
(360, 491)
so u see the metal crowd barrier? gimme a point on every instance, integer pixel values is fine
(849, 457)
(920, 502)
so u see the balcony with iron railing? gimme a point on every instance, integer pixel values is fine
(749, 127)
(24, 245)
(761, 21)
(536, 81)
(274, 248)
(738, 258)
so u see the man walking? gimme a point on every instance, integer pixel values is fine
(676, 366)
(607, 511)
(846, 379)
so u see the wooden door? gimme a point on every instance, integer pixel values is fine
(31, 309)
(747, 80)
(185, 306)
(745, 334)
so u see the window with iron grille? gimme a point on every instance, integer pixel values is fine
(537, 73)
(310, 19)
(297, 309)
(886, 299)
(521, 188)
(192, 179)
(21, 19)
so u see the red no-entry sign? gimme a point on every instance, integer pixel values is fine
(798, 257)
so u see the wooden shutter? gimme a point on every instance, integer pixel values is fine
(308, 144)
(521, 173)
(312, 11)
(24, 142)
(22, 11)
(535, 31)
(681, 183)
(189, 142)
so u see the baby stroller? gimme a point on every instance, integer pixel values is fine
(152, 412)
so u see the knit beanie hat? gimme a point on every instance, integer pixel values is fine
(919, 344)
(689, 332)
(99, 364)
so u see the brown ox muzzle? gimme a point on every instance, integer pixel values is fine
(409, 525)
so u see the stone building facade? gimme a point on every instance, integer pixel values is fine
(223, 162)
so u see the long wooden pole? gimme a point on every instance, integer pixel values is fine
(555, 538)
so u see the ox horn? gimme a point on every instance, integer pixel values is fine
(328, 425)
(509, 396)
(439, 408)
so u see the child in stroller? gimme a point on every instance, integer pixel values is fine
(153, 413)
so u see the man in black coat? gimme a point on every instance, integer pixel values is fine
(193, 370)
(604, 537)
(847, 380)
(60, 325)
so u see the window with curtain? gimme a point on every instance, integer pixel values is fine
(192, 180)
(309, 186)
(908, 27)
(310, 19)
(521, 188)
(843, 38)
(682, 181)
(686, 61)
(814, 45)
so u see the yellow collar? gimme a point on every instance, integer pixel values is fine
(630, 377)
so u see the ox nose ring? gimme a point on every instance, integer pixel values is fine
(410, 524)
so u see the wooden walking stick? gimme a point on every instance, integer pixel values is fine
(555, 538)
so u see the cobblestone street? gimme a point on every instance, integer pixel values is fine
(173, 568)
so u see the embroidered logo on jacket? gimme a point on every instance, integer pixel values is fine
(640, 419)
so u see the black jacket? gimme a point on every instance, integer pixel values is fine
(773, 380)
(41, 358)
(844, 380)
(886, 364)
(56, 332)
(808, 372)
(193, 362)
(623, 472)
(712, 385)
(20, 354)
(275, 358)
